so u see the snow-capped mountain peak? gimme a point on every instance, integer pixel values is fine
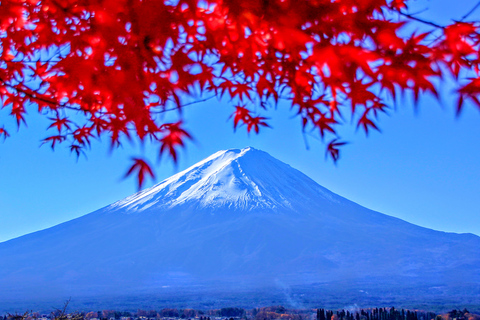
(237, 178)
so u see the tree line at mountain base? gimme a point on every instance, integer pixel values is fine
(234, 313)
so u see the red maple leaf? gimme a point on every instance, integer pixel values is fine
(117, 72)
(59, 123)
(143, 169)
(333, 149)
(4, 133)
(174, 135)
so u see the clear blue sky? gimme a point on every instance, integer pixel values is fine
(423, 167)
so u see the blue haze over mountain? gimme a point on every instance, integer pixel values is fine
(238, 221)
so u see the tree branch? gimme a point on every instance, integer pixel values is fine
(411, 17)
(470, 12)
(184, 105)
(38, 98)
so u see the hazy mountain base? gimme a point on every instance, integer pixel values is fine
(332, 296)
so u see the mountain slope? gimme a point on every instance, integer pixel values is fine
(239, 219)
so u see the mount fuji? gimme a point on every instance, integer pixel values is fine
(238, 221)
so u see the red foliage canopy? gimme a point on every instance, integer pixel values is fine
(112, 67)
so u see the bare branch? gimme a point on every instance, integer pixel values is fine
(411, 17)
(184, 105)
(37, 97)
(470, 12)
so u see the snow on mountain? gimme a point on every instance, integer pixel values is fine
(239, 219)
(236, 179)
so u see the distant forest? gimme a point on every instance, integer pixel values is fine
(266, 313)
(376, 314)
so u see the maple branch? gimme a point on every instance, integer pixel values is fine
(470, 12)
(198, 101)
(38, 98)
(430, 23)
(184, 105)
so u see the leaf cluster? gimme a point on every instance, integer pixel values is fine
(114, 67)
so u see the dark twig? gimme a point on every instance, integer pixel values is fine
(430, 23)
(60, 314)
(38, 97)
(184, 105)
(470, 12)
